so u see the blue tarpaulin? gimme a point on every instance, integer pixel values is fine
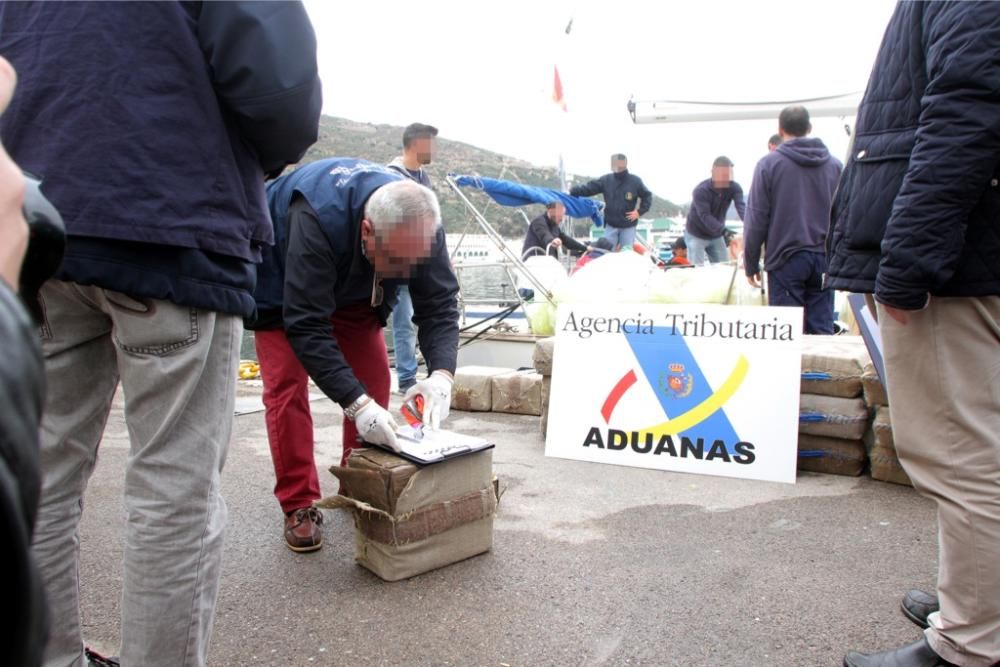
(509, 193)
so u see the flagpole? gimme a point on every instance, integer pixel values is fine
(559, 98)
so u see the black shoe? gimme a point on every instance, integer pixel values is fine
(919, 654)
(917, 606)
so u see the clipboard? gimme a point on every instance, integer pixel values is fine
(434, 446)
(869, 332)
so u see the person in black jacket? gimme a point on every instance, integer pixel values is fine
(23, 624)
(705, 229)
(153, 125)
(916, 223)
(626, 199)
(545, 236)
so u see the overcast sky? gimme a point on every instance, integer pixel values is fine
(482, 73)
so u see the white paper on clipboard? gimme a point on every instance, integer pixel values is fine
(438, 445)
(869, 332)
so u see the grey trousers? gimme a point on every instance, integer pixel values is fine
(177, 366)
(943, 369)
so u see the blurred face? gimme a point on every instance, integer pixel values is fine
(721, 176)
(556, 214)
(618, 166)
(423, 150)
(398, 253)
(681, 252)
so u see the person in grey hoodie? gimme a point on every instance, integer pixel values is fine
(788, 213)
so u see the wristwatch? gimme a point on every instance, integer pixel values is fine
(351, 411)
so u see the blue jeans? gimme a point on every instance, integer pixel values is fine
(799, 282)
(622, 237)
(404, 338)
(700, 250)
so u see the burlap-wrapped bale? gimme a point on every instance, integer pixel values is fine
(831, 455)
(546, 393)
(542, 356)
(518, 393)
(833, 417)
(473, 390)
(874, 390)
(882, 451)
(832, 365)
(411, 519)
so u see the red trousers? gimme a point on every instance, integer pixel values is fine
(286, 399)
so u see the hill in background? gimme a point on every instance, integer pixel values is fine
(339, 137)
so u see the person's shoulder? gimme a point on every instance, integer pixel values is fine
(703, 187)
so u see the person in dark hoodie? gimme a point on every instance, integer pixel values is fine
(788, 213)
(705, 230)
(626, 199)
(153, 125)
(915, 225)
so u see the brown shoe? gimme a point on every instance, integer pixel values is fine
(302, 533)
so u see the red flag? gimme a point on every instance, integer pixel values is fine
(557, 90)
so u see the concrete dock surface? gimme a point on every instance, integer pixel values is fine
(591, 565)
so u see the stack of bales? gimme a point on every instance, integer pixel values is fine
(879, 440)
(833, 416)
(496, 389)
(542, 359)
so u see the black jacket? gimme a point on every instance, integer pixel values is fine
(709, 206)
(622, 193)
(23, 623)
(542, 231)
(917, 211)
(152, 126)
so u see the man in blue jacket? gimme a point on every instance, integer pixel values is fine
(788, 214)
(349, 233)
(916, 223)
(705, 230)
(626, 199)
(153, 125)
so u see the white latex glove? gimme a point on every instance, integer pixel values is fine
(436, 390)
(376, 425)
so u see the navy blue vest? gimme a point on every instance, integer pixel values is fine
(337, 190)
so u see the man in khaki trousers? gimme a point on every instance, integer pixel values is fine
(916, 223)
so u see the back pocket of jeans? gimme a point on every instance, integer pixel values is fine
(151, 326)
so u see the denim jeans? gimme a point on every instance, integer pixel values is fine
(404, 338)
(701, 250)
(621, 237)
(177, 366)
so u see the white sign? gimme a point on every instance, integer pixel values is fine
(705, 389)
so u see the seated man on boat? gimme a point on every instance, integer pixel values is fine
(546, 237)
(347, 234)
